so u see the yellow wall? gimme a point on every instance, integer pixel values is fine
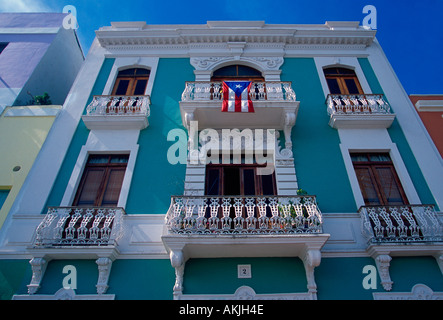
(22, 133)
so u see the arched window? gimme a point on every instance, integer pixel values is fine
(131, 82)
(237, 72)
(342, 81)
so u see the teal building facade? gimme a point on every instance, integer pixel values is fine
(146, 190)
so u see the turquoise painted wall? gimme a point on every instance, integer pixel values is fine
(342, 278)
(153, 279)
(129, 279)
(318, 161)
(398, 137)
(269, 275)
(142, 279)
(155, 180)
(14, 276)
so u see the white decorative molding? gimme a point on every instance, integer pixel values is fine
(248, 293)
(32, 111)
(418, 292)
(430, 105)
(64, 294)
(269, 66)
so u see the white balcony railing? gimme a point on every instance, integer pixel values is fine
(260, 91)
(404, 223)
(357, 104)
(117, 112)
(78, 226)
(119, 105)
(244, 215)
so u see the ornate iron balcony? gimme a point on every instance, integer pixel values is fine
(404, 224)
(357, 104)
(244, 215)
(119, 105)
(359, 111)
(260, 91)
(117, 112)
(78, 226)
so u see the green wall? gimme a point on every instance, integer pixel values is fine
(317, 157)
(342, 278)
(14, 276)
(269, 275)
(155, 180)
(153, 279)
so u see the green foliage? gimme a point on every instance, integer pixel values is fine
(42, 100)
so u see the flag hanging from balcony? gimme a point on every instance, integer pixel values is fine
(236, 96)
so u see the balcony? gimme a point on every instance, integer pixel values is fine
(359, 111)
(117, 112)
(274, 103)
(401, 224)
(244, 215)
(406, 230)
(79, 227)
(244, 226)
(76, 233)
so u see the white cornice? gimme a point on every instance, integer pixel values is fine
(137, 34)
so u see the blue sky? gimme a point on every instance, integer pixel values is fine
(410, 32)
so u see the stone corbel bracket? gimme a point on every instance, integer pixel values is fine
(311, 260)
(178, 263)
(289, 122)
(383, 256)
(38, 266)
(39, 263)
(383, 262)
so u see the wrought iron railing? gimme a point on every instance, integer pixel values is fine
(403, 223)
(357, 104)
(78, 226)
(119, 105)
(260, 91)
(243, 215)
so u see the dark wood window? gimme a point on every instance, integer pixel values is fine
(101, 181)
(342, 81)
(378, 179)
(237, 72)
(131, 82)
(235, 180)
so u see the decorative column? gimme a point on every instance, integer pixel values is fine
(38, 270)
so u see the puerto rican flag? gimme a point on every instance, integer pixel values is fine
(236, 96)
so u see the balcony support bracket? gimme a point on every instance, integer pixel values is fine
(38, 266)
(178, 263)
(104, 270)
(383, 262)
(311, 259)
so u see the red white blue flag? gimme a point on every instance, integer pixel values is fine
(236, 96)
